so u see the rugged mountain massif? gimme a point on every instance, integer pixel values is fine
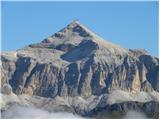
(76, 63)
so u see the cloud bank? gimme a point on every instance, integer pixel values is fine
(135, 115)
(32, 112)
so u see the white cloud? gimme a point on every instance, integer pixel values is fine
(32, 112)
(135, 115)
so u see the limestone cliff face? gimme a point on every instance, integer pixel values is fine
(76, 62)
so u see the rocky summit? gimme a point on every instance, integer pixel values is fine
(92, 75)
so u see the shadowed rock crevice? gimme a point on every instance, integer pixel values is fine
(152, 65)
(71, 78)
(85, 49)
(85, 77)
(23, 68)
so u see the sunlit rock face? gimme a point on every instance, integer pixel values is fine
(76, 62)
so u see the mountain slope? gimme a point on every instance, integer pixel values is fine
(76, 62)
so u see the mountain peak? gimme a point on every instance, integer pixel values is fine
(74, 23)
(75, 32)
(76, 27)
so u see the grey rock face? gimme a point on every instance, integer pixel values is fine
(76, 62)
(6, 89)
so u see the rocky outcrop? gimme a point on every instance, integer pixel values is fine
(119, 110)
(6, 89)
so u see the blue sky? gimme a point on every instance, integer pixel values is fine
(129, 24)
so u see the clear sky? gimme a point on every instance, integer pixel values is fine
(129, 24)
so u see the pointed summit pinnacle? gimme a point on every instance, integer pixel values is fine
(76, 26)
(74, 23)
